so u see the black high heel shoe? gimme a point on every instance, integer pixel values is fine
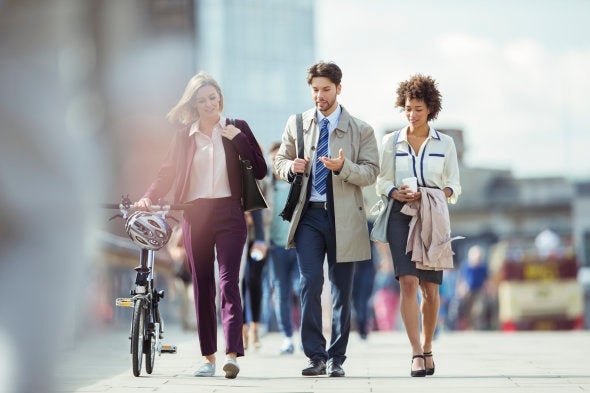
(417, 373)
(429, 371)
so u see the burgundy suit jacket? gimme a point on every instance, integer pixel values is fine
(176, 168)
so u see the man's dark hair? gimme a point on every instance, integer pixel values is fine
(329, 70)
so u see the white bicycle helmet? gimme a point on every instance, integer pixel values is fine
(147, 230)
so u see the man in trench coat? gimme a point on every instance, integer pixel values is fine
(329, 219)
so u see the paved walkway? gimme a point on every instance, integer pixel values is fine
(465, 362)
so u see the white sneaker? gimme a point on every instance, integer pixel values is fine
(205, 370)
(231, 368)
(287, 347)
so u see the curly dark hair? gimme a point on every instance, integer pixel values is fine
(421, 87)
(329, 70)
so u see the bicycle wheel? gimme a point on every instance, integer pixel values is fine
(149, 345)
(137, 335)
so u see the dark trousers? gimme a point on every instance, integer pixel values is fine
(216, 224)
(315, 238)
(252, 286)
(285, 281)
(364, 275)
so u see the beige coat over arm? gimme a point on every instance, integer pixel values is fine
(361, 166)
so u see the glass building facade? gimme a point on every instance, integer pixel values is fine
(259, 52)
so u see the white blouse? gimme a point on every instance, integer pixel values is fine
(434, 165)
(209, 178)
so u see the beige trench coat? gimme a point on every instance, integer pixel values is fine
(361, 166)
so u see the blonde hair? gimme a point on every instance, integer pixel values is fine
(184, 112)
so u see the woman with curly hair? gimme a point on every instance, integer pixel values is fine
(417, 151)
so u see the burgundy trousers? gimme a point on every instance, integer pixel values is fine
(216, 225)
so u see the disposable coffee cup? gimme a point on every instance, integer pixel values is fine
(412, 182)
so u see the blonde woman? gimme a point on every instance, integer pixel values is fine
(203, 165)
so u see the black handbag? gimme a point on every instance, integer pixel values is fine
(295, 190)
(252, 198)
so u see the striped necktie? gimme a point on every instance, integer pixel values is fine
(321, 172)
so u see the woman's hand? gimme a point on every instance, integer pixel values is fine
(230, 131)
(405, 194)
(143, 204)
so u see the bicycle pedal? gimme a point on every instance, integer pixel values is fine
(124, 302)
(168, 349)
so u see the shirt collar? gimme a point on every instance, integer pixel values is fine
(333, 118)
(195, 126)
(403, 135)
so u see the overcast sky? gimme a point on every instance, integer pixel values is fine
(514, 74)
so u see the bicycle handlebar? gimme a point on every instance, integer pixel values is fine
(109, 206)
(183, 206)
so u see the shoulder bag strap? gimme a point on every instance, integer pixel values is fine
(394, 138)
(299, 121)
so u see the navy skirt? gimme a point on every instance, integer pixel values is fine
(398, 228)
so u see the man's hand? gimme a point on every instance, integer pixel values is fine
(334, 164)
(299, 165)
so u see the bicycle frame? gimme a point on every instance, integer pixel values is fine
(144, 288)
